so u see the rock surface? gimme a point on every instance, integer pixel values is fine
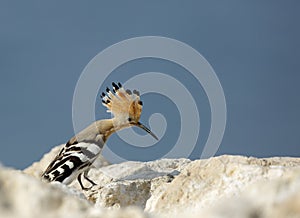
(131, 183)
(205, 183)
(224, 186)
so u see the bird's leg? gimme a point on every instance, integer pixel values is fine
(88, 179)
(80, 183)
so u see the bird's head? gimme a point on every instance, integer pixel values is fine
(126, 107)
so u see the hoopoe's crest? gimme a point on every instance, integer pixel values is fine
(123, 104)
(126, 107)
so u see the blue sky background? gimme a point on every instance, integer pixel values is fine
(253, 46)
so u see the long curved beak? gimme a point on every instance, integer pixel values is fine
(138, 124)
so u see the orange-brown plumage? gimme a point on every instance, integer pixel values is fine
(123, 104)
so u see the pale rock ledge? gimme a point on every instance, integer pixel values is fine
(224, 186)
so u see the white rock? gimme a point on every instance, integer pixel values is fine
(203, 183)
(130, 183)
(24, 196)
(279, 198)
(144, 170)
(225, 186)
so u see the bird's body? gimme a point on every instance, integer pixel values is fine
(77, 156)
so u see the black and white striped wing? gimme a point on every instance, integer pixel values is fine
(72, 160)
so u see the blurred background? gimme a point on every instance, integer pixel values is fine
(253, 46)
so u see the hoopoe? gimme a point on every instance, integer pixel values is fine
(76, 158)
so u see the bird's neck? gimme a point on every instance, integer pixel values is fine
(107, 127)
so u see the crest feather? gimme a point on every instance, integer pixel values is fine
(124, 103)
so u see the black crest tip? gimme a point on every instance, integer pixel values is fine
(116, 87)
(136, 92)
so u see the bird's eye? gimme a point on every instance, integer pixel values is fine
(129, 119)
